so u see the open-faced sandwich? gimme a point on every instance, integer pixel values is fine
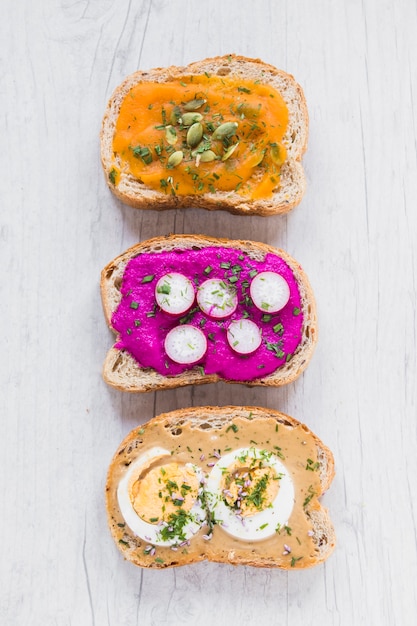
(189, 309)
(223, 133)
(237, 485)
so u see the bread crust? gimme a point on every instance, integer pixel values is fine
(121, 370)
(134, 193)
(212, 418)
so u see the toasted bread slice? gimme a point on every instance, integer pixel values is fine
(205, 438)
(123, 371)
(290, 180)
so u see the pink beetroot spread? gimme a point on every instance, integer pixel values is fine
(143, 326)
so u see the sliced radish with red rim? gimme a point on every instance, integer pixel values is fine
(244, 336)
(216, 298)
(174, 293)
(185, 344)
(269, 292)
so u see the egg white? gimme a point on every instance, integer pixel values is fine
(259, 525)
(152, 532)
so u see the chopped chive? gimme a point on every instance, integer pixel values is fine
(148, 279)
(296, 311)
(134, 304)
(112, 176)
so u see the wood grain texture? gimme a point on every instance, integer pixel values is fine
(355, 234)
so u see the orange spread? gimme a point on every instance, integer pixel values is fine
(202, 134)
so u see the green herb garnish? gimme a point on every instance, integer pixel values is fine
(164, 289)
(112, 176)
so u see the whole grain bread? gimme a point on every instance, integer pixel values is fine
(122, 371)
(212, 423)
(287, 195)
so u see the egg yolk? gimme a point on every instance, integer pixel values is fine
(202, 134)
(164, 490)
(250, 490)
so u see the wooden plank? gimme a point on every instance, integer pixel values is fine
(355, 233)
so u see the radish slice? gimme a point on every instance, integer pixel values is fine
(269, 291)
(174, 293)
(185, 344)
(217, 299)
(244, 336)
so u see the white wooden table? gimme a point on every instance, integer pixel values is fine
(355, 233)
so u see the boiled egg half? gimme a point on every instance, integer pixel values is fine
(160, 499)
(250, 493)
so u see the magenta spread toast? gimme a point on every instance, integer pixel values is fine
(222, 325)
(210, 309)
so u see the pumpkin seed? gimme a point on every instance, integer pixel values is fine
(175, 158)
(190, 118)
(277, 155)
(228, 129)
(229, 151)
(171, 135)
(194, 134)
(193, 105)
(207, 156)
(175, 115)
(260, 158)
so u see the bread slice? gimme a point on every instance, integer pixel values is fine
(288, 192)
(202, 436)
(122, 371)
